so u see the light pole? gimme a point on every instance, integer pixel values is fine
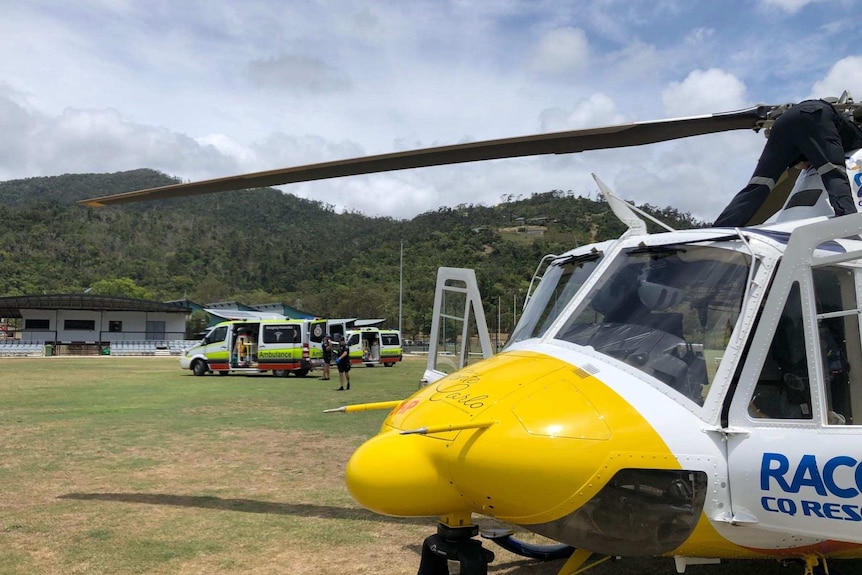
(497, 342)
(401, 289)
(514, 310)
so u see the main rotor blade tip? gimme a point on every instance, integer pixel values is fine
(91, 203)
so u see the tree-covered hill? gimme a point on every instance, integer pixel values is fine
(263, 245)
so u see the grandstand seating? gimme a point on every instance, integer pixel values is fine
(151, 347)
(16, 348)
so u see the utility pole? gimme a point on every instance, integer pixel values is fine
(514, 310)
(401, 289)
(497, 342)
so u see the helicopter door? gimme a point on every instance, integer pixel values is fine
(794, 460)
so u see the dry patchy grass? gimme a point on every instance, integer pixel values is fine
(123, 465)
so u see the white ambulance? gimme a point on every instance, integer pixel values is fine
(372, 346)
(255, 346)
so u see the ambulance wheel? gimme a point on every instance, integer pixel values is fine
(223, 372)
(390, 364)
(280, 372)
(199, 367)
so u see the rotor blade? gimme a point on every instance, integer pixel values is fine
(776, 198)
(622, 135)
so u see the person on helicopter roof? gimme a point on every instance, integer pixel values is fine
(812, 131)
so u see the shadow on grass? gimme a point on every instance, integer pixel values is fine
(249, 506)
(299, 510)
(630, 566)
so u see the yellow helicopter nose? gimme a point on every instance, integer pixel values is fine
(402, 475)
(523, 436)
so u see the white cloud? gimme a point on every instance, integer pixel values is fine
(229, 148)
(561, 51)
(296, 74)
(845, 74)
(699, 36)
(309, 149)
(790, 6)
(704, 92)
(18, 126)
(82, 141)
(634, 63)
(228, 90)
(596, 110)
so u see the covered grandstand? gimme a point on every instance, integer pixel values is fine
(84, 324)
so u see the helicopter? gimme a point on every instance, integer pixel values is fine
(695, 394)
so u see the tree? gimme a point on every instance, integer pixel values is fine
(197, 323)
(120, 287)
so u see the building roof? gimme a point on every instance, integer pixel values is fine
(284, 309)
(11, 306)
(186, 302)
(228, 305)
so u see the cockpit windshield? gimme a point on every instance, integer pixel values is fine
(665, 310)
(559, 284)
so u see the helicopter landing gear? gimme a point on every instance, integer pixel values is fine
(454, 544)
(815, 565)
(505, 538)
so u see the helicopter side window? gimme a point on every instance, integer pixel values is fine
(840, 348)
(665, 310)
(560, 283)
(783, 390)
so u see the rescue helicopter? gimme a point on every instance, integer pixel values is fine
(695, 394)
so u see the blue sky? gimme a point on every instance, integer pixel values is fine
(200, 89)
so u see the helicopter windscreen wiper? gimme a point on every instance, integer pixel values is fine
(579, 258)
(662, 251)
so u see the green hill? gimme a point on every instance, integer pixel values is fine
(262, 245)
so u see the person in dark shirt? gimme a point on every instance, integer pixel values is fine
(343, 362)
(812, 131)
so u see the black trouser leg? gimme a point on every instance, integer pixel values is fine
(742, 207)
(838, 188)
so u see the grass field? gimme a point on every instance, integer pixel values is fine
(131, 465)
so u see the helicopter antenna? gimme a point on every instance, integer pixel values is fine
(627, 213)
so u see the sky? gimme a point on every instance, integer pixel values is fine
(200, 89)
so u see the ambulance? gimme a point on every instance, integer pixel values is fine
(248, 346)
(372, 346)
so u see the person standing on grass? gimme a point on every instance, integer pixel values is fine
(343, 363)
(327, 356)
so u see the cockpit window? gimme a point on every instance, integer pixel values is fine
(559, 284)
(665, 310)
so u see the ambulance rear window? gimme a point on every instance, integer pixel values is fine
(281, 334)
